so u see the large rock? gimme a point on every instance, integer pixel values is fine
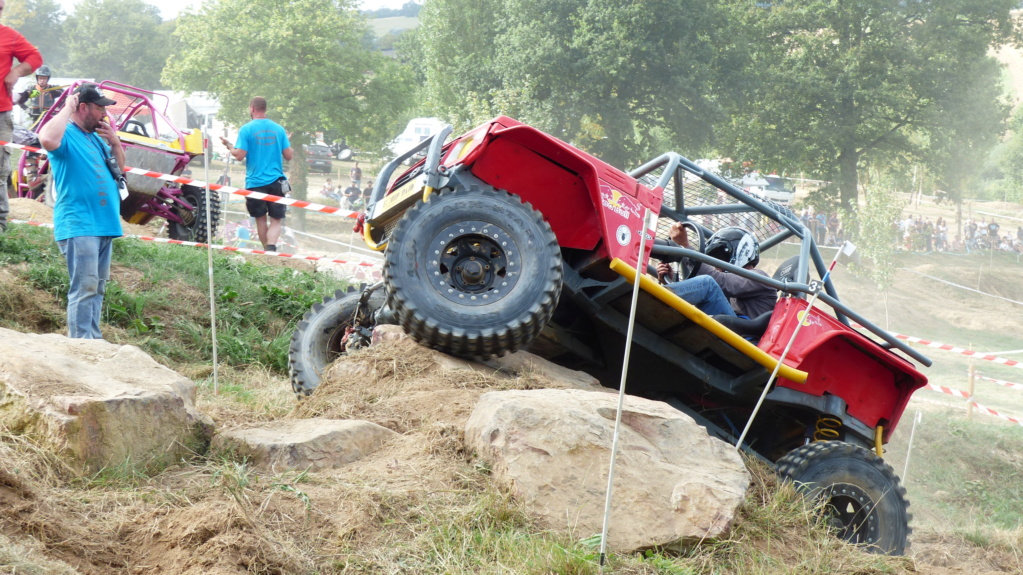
(673, 482)
(98, 403)
(305, 443)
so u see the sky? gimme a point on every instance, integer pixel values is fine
(170, 8)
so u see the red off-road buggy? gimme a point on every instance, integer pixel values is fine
(151, 142)
(506, 238)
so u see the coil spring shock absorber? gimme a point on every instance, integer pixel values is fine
(827, 428)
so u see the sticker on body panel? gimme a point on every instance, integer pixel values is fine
(619, 203)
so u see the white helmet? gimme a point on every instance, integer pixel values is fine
(735, 246)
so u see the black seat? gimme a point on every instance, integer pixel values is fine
(747, 328)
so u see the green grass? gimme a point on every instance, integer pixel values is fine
(160, 299)
(382, 26)
(968, 472)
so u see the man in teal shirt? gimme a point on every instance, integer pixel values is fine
(264, 146)
(86, 218)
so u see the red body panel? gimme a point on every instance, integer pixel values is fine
(583, 198)
(875, 383)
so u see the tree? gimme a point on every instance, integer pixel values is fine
(878, 236)
(623, 80)
(836, 84)
(307, 57)
(120, 40)
(42, 23)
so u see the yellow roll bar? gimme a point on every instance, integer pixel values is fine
(690, 311)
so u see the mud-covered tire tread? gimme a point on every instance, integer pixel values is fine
(316, 329)
(509, 334)
(795, 465)
(201, 231)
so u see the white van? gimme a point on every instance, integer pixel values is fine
(417, 130)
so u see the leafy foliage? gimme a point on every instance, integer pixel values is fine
(878, 236)
(41, 22)
(833, 85)
(621, 80)
(121, 40)
(309, 59)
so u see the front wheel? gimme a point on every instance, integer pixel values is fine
(194, 225)
(473, 272)
(325, 333)
(861, 493)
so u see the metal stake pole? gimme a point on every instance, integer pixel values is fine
(909, 450)
(209, 251)
(640, 267)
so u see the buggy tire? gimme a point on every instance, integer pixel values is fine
(473, 272)
(868, 505)
(195, 227)
(316, 341)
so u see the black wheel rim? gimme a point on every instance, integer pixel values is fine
(851, 514)
(473, 263)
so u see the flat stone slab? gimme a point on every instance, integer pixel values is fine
(315, 443)
(96, 403)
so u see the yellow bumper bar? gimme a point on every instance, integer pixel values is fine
(687, 309)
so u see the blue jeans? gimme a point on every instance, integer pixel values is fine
(704, 293)
(88, 264)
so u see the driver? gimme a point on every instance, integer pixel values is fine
(711, 289)
(39, 98)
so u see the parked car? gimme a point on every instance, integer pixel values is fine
(770, 187)
(417, 130)
(318, 158)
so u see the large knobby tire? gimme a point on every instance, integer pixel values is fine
(318, 337)
(473, 272)
(866, 503)
(196, 228)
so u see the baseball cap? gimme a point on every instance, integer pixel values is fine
(90, 94)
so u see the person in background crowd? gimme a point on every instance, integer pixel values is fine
(265, 144)
(356, 175)
(13, 46)
(941, 239)
(367, 193)
(992, 233)
(81, 143)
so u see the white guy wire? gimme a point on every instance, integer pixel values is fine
(209, 251)
(788, 346)
(640, 267)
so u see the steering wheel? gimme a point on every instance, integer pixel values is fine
(687, 267)
(135, 127)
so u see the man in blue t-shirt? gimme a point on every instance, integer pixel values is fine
(86, 218)
(264, 145)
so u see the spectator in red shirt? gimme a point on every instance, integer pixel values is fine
(12, 46)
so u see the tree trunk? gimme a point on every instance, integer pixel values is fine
(299, 181)
(848, 179)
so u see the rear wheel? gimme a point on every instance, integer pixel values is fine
(862, 495)
(195, 227)
(473, 272)
(320, 337)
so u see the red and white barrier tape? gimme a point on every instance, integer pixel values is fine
(1001, 382)
(987, 410)
(954, 349)
(948, 390)
(218, 187)
(960, 350)
(225, 248)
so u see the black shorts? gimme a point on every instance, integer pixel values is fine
(260, 208)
